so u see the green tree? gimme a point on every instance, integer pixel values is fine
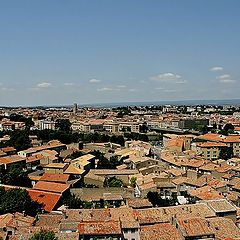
(114, 162)
(15, 175)
(114, 182)
(44, 235)
(228, 128)
(157, 200)
(20, 140)
(63, 125)
(226, 153)
(214, 126)
(133, 182)
(75, 155)
(153, 197)
(204, 129)
(29, 123)
(103, 163)
(17, 200)
(143, 128)
(73, 202)
(117, 139)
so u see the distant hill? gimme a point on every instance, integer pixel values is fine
(168, 102)
(148, 103)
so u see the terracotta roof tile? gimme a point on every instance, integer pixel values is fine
(224, 228)
(54, 177)
(221, 205)
(49, 200)
(99, 228)
(163, 231)
(194, 227)
(206, 193)
(51, 187)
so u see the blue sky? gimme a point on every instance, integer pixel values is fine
(94, 51)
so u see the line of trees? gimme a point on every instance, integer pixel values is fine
(19, 139)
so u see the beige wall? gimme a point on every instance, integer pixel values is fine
(53, 170)
(209, 153)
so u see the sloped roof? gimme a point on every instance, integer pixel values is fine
(55, 177)
(51, 187)
(100, 228)
(49, 200)
(163, 231)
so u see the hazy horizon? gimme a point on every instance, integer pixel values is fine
(189, 102)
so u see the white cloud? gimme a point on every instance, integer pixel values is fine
(94, 80)
(7, 89)
(181, 81)
(170, 90)
(169, 77)
(132, 90)
(68, 84)
(225, 78)
(104, 89)
(44, 85)
(121, 86)
(159, 88)
(216, 69)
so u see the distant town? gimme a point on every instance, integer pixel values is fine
(168, 172)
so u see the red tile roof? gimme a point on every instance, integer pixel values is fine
(163, 231)
(195, 227)
(49, 200)
(16, 219)
(211, 144)
(205, 193)
(55, 177)
(51, 187)
(8, 149)
(100, 228)
(11, 159)
(220, 138)
(34, 158)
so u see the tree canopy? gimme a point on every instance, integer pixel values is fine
(19, 139)
(226, 153)
(73, 202)
(63, 125)
(15, 175)
(114, 182)
(17, 200)
(157, 200)
(44, 235)
(104, 163)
